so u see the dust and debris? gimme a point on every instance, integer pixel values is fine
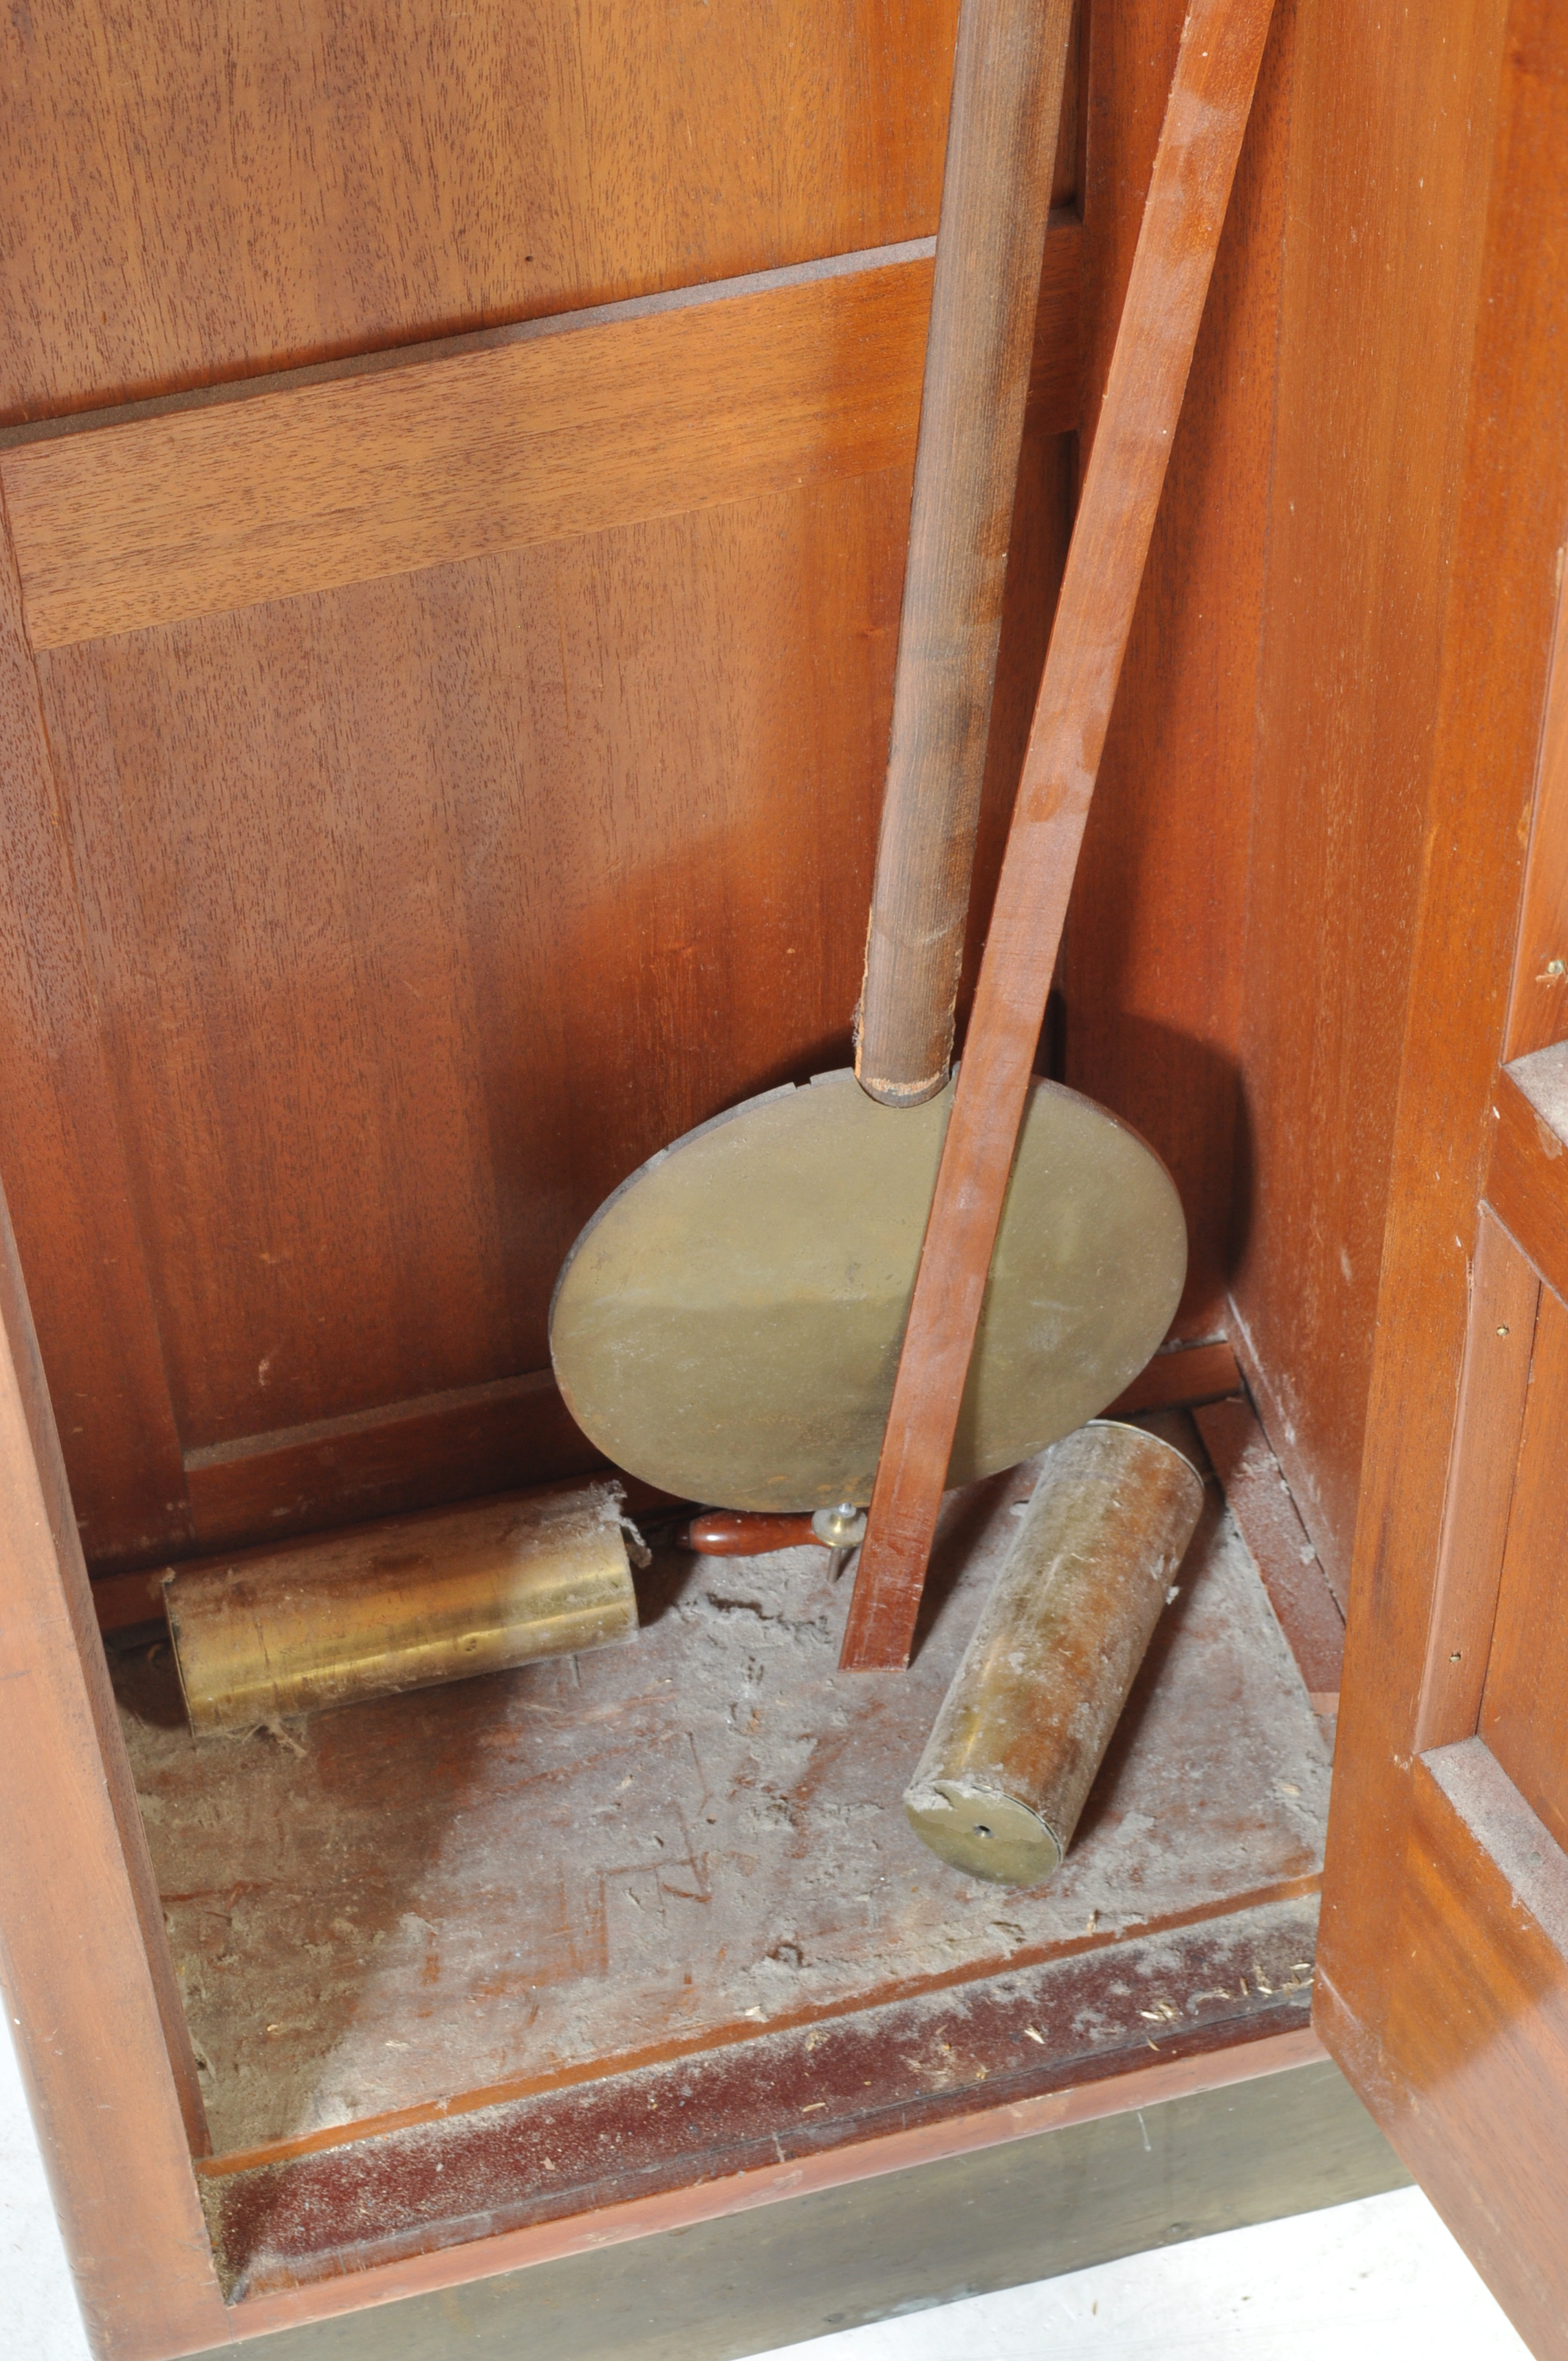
(466, 1888)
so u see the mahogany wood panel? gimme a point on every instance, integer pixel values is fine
(1467, 2071)
(1538, 1005)
(1493, 1386)
(1527, 1673)
(422, 912)
(1526, 1174)
(63, 1162)
(1152, 959)
(1309, 1615)
(89, 1983)
(1389, 168)
(1459, 2049)
(195, 196)
(1211, 97)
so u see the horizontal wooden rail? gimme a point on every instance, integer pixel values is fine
(201, 504)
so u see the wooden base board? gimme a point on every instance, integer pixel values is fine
(1056, 2201)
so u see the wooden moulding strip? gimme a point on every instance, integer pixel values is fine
(1527, 1182)
(477, 1440)
(201, 504)
(261, 2315)
(1297, 1587)
(1494, 1388)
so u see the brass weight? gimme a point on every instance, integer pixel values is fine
(1025, 1724)
(400, 1604)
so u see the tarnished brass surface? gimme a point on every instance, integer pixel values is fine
(400, 1604)
(1025, 1724)
(727, 1325)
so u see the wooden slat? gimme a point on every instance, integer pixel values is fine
(88, 1977)
(1298, 1589)
(560, 428)
(1493, 1388)
(1211, 96)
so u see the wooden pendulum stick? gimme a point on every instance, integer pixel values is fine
(1211, 97)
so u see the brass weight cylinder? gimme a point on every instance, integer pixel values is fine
(1025, 1724)
(400, 1604)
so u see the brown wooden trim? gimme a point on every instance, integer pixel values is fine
(1527, 1178)
(1297, 1589)
(472, 1441)
(84, 1962)
(565, 426)
(838, 2168)
(1493, 1386)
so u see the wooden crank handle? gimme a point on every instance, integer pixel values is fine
(1199, 141)
(1008, 72)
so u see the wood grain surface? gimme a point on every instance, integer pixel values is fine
(1360, 548)
(203, 196)
(1002, 136)
(1466, 2070)
(1209, 100)
(1462, 2060)
(89, 1981)
(422, 913)
(65, 1167)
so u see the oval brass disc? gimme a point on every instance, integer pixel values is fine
(728, 1325)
